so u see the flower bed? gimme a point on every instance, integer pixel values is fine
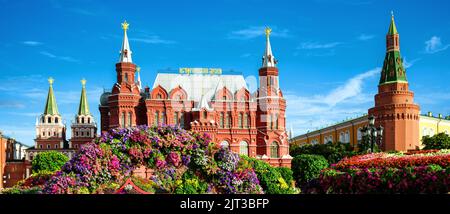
(424, 172)
(441, 158)
(183, 162)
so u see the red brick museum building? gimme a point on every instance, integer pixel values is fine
(204, 100)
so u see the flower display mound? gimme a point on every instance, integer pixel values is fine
(424, 172)
(182, 162)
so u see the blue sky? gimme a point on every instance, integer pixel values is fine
(329, 52)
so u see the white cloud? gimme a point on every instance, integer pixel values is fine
(365, 37)
(314, 111)
(316, 45)
(152, 39)
(253, 32)
(64, 58)
(435, 45)
(32, 43)
(408, 64)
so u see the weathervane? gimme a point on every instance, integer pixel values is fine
(125, 25)
(51, 80)
(83, 82)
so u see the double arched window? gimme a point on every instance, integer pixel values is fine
(243, 148)
(274, 150)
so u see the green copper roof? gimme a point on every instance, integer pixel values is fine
(392, 27)
(83, 109)
(51, 107)
(393, 70)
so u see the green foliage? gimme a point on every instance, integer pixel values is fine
(190, 184)
(364, 145)
(49, 161)
(333, 152)
(439, 141)
(286, 173)
(270, 178)
(308, 167)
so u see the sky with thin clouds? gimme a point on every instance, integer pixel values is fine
(329, 52)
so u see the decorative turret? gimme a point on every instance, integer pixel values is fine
(393, 69)
(125, 52)
(84, 128)
(50, 106)
(138, 82)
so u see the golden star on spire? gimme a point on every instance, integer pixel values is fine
(125, 25)
(138, 69)
(51, 80)
(268, 31)
(83, 82)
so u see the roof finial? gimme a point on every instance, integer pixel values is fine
(138, 69)
(392, 13)
(83, 82)
(125, 25)
(51, 80)
(268, 31)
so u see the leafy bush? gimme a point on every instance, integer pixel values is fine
(307, 167)
(49, 161)
(333, 152)
(286, 173)
(439, 141)
(271, 180)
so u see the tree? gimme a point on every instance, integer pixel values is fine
(439, 141)
(308, 167)
(49, 161)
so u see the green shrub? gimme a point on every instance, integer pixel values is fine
(270, 178)
(307, 167)
(439, 141)
(286, 173)
(333, 152)
(48, 161)
(190, 184)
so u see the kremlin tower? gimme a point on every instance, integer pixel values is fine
(395, 109)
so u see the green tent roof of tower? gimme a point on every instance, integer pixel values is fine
(50, 106)
(392, 27)
(83, 109)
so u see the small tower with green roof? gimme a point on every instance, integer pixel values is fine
(84, 128)
(50, 129)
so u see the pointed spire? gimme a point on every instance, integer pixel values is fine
(83, 109)
(50, 107)
(268, 58)
(138, 71)
(392, 27)
(125, 52)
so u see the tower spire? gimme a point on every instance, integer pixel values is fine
(83, 109)
(125, 52)
(268, 58)
(393, 69)
(50, 107)
(138, 70)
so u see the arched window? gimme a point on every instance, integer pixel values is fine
(181, 119)
(228, 121)
(246, 122)
(76, 146)
(224, 144)
(126, 77)
(205, 115)
(82, 120)
(122, 120)
(89, 120)
(221, 119)
(240, 122)
(48, 146)
(40, 146)
(347, 137)
(341, 137)
(274, 150)
(156, 118)
(359, 135)
(159, 96)
(43, 134)
(82, 133)
(243, 148)
(163, 117)
(276, 121)
(49, 120)
(43, 120)
(224, 98)
(130, 116)
(87, 133)
(56, 146)
(175, 118)
(56, 120)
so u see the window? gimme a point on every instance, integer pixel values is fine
(54, 133)
(274, 150)
(49, 134)
(76, 134)
(49, 120)
(56, 120)
(87, 133)
(240, 122)
(205, 115)
(76, 146)
(56, 146)
(181, 120)
(82, 120)
(163, 117)
(175, 118)
(122, 120)
(221, 119)
(228, 121)
(347, 137)
(325, 140)
(276, 121)
(129, 119)
(224, 145)
(48, 146)
(159, 96)
(43, 134)
(40, 146)
(89, 120)
(270, 120)
(359, 135)
(243, 148)
(82, 133)
(341, 137)
(126, 77)
(224, 98)
(43, 120)
(246, 122)
(156, 118)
